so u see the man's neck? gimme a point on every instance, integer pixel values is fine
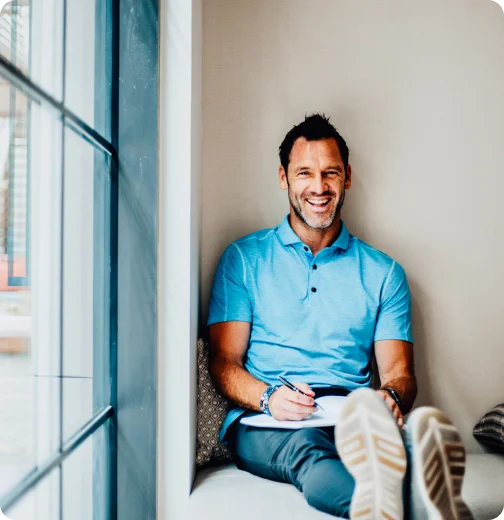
(315, 239)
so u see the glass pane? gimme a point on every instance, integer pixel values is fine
(30, 162)
(86, 74)
(31, 36)
(40, 503)
(85, 479)
(85, 282)
(18, 191)
(17, 410)
(15, 33)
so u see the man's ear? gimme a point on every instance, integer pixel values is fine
(348, 177)
(282, 178)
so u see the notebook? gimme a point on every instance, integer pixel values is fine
(332, 405)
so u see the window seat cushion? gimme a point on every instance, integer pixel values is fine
(225, 492)
(219, 493)
(483, 488)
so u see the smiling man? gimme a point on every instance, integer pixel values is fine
(309, 301)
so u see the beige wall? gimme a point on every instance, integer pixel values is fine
(416, 90)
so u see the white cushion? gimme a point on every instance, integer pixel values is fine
(483, 488)
(225, 492)
(219, 493)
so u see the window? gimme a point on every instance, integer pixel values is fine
(58, 259)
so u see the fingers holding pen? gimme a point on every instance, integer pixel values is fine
(306, 389)
(288, 405)
(300, 408)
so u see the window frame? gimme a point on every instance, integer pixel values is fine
(107, 52)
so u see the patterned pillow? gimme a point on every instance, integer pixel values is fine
(212, 409)
(490, 429)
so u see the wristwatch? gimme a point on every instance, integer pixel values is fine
(264, 402)
(393, 394)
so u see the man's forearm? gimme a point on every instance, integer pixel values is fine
(406, 388)
(235, 383)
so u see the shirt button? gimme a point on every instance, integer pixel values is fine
(313, 289)
(314, 266)
(305, 248)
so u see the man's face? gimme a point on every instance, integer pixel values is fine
(316, 181)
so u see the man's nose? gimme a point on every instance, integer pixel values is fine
(319, 184)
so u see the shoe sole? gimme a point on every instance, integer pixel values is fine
(371, 447)
(438, 466)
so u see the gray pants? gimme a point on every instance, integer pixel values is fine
(306, 458)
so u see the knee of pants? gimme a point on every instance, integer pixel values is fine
(309, 438)
(329, 489)
(307, 447)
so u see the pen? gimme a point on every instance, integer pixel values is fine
(296, 389)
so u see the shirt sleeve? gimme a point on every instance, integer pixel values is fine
(230, 299)
(394, 315)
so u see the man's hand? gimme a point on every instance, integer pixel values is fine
(287, 405)
(393, 406)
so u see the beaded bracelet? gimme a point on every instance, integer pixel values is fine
(264, 402)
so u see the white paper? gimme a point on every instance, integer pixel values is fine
(332, 405)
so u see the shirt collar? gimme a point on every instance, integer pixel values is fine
(288, 237)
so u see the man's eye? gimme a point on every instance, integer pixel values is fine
(303, 173)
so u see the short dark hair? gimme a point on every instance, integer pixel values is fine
(315, 127)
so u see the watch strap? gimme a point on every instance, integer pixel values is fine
(393, 394)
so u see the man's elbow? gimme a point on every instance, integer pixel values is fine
(220, 369)
(411, 391)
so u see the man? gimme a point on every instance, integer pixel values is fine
(309, 301)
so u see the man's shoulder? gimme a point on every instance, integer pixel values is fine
(249, 248)
(257, 239)
(372, 254)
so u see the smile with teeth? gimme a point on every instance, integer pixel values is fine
(318, 203)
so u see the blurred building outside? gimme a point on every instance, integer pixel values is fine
(16, 383)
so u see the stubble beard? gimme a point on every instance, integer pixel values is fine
(312, 221)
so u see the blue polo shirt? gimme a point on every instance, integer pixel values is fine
(314, 318)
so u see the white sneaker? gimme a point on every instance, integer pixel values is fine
(370, 445)
(437, 467)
